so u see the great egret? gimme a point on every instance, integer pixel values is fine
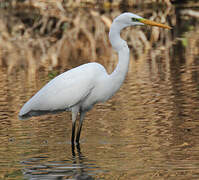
(78, 89)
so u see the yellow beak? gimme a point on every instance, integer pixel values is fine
(153, 23)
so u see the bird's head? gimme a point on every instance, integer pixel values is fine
(130, 19)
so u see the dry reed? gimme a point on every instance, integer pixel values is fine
(35, 35)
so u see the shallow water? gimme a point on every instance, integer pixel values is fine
(148, 130)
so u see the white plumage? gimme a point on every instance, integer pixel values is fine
(80, 88)
(66, 90)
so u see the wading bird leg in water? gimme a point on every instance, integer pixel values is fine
(74, 117)
(77, 147)
(82, 114)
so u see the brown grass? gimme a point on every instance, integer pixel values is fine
(38, 35)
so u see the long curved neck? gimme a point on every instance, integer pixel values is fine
(118, 75)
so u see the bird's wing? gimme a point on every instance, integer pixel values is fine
(63, 92)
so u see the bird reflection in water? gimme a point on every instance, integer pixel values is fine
(76, 168)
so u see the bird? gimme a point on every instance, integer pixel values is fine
(79, 89)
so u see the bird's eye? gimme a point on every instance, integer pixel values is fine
(135, 19)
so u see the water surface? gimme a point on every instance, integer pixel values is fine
(148, 130)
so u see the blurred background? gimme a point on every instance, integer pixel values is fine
(148, 130)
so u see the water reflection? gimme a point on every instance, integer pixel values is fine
(148, 130)
(78, 167)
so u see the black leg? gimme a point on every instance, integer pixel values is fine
(73, 132)
(73, 149)
(82, 114)
(74, 116)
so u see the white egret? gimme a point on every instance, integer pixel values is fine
(78, 89)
